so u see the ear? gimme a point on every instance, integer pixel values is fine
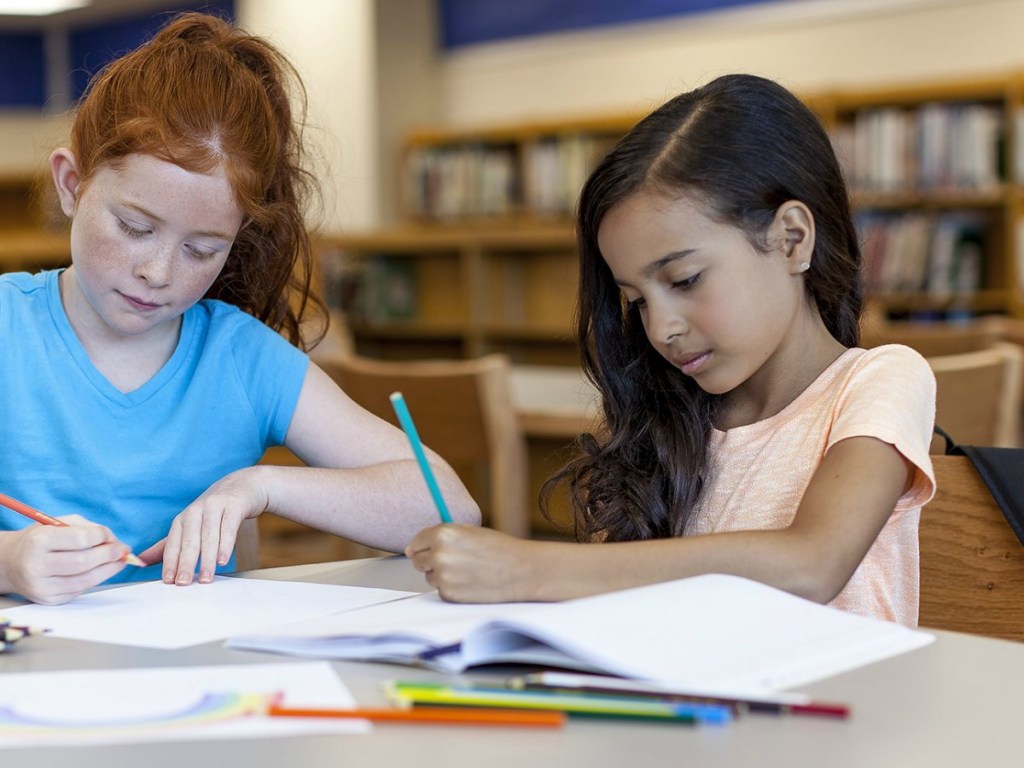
(66, 180)
(794, 223)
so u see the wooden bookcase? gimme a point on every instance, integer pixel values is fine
(484, 260)
(935, 173)
(457, 291)
(31, 235)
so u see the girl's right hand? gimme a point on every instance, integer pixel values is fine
(52, 564)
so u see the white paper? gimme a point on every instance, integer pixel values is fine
(403, 628)
(158, 615)
(122, 706)
(707, 633)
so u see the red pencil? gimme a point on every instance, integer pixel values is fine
(41, 517)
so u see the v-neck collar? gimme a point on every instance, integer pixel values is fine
(100, 382)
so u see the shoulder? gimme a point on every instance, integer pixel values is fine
(884, 365)
(23, 283)
(249, 342)
(23, 293)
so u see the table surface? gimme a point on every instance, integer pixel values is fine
(947, 704)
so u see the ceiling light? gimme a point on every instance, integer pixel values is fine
(39, 7)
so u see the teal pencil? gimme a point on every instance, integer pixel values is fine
(573, 704)
(405, 419)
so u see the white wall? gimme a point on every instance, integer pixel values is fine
(332, 45)
(373, 73)
(807, 44)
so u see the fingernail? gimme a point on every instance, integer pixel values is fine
(169, 577)
(205, 577)
(184, 579)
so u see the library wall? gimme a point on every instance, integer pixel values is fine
(809, 46)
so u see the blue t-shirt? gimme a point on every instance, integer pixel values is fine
(70, 442)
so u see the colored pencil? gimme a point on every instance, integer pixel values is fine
(405, 419)
(784, 704)
(45, 519)
(573, 705)
(434, 715)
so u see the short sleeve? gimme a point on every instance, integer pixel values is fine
(271, 371)
(890, 395)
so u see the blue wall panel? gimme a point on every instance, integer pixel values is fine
(91, 48)
(465, 22)
(22, 70)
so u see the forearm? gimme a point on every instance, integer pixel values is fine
(7, 540)
(382, 505)
(784, 559)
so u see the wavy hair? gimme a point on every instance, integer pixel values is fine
(204, 94)
(744, 145)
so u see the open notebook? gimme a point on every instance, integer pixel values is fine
(713, 632)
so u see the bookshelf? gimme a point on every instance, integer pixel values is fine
(936, 173)
(457, 291)
(31, 235)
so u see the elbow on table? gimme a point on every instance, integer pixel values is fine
(817, 580)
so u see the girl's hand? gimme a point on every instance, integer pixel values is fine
(51, 564)
(467, 564)
(206, 529)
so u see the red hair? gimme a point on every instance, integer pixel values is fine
(204, 94)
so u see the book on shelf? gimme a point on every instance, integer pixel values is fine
(936, 147)
(387, 290)
(711, 632)
(939, 255)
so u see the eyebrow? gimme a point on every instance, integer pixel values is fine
(160, 220)
(664, 261)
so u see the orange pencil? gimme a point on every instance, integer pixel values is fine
(41, 517)
(435, 715)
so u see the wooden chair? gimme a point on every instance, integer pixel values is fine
(972, 564)
(931, 339)
(978, 395)
(464, 411)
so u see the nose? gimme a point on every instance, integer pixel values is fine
(664, 325)
(154, 266)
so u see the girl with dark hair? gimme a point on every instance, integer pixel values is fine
(140, 386)
(744, 430)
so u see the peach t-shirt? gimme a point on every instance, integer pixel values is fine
(758, 472)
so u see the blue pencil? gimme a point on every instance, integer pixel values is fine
(405, 419)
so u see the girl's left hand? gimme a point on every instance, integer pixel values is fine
(206, 529)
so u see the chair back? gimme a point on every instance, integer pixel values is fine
(930, 339)
(978, 395)
(972, 564)
(247, 546)
(464, 411)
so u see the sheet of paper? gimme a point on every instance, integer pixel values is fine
(158, 615)
(402, 628)
(121, 706)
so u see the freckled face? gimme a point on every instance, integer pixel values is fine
(148, 239)
(711, 304)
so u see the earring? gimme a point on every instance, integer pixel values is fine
(804, 266)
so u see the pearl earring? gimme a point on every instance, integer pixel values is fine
(804, 266)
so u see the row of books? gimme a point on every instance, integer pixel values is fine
(477, 180)
(941, 255)
(377, 290)
(935, 147)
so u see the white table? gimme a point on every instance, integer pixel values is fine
(951, 704)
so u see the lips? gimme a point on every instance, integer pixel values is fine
(139, 303)
(690, 364)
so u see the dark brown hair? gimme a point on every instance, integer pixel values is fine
(744, 145)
